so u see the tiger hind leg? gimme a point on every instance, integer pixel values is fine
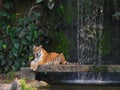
(63, 61)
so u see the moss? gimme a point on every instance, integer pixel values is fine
(69, 11)
(63, 44)
(98, 69)
(10, 76)
(106, 42)
(25, 86)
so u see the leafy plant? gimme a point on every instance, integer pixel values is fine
(50, 3)
(24, 86)
(117, 15)
(38, 1)
(19, 33)
(17, 38)
(10, 76)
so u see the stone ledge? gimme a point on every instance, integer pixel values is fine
(79, 68)
(25, 72)
(29, 74)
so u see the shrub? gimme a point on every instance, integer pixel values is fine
(18, 34)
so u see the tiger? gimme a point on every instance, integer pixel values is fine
(42, 57)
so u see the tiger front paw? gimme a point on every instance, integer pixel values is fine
(33, 66)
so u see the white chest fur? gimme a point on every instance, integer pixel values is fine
(39, 58)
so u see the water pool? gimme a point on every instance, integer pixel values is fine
(82, 87)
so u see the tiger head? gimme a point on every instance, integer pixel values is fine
(37, 51)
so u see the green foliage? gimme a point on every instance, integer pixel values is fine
(116, 5)
(17, 38)
(98, 69)
(10, 76)
(50, 3)
(24, 86)
(117, 15)
(63, 44)
(18, 34)
(38, 1)
(68, 12)
(106, 42)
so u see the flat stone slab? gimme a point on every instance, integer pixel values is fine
(25, 72)
(79, 68)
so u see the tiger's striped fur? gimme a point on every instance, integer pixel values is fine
(42, 57)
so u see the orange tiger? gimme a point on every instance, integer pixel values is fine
(42, 57)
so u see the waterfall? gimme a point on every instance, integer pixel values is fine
(89, 31)
(89, 35)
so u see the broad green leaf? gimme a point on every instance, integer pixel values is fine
(13, 67)
(38, 1)
(9, 62)
(6, 5)
(17, 64)
(31, 26)
(14, 52)
(23, 63)
(21, 34)
(1, 48)
(17, 14)
(14, 40)
(28, 38)
(16, 45)
(4, 46)
(20, 21)
(3, 62)
(1, 57)
(61, 7)
(41, 33)
(35, 35)
(24, 42)
(31, 57)
(3, 13)
(51, 4)
(0, 42)
(6, 68)
(8, 27)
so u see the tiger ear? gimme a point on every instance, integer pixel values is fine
(41, 46)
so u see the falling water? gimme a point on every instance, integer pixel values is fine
(89, 31)
(89, 36)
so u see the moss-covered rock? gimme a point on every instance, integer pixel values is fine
(38, 84)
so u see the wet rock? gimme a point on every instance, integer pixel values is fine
(16, 85)
(38, 84)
